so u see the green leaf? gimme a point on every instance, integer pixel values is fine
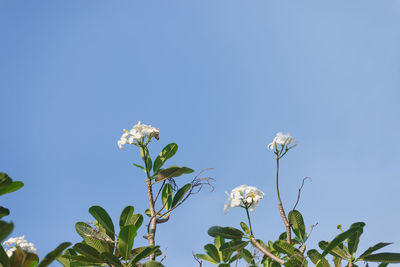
(372, 249)
(206, 258)
(224, 265)
(297, 222)
(212, 251)
(383, 264)
(173, 171)
(143, 253)
(140, 167)
(136, 220)
(167, 196)
(337, 261)
(247, 256)
(88, 251)
(4, 212)
(96, 239)
(104, 219)
(245, 228)
(144, 153)
(336, 251)
(233, 245)
(14, 186)
(286, 248)
(339, 239)
(167, 152)
(50, 257)
(153, 264)
(110, 259)
(225, 232)
(317, 258)
(383, 257)
(147, 212)
(126, 237)
(4, 260)
(126, 216)
(353, 240)
(5, 229)
(180, 194)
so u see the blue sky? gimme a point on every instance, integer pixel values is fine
(219, 78)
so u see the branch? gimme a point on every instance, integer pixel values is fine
(299, 193)
(197, 259)
(265, 251)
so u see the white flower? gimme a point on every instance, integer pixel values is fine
(249, 196)
(281, 139)
(19, 242)
(137, 133)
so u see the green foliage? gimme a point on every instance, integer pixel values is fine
(220, 253)
(225, 232)
(172, 172)
(297, 223)
(167, 152)
(180, 194)
(7, 185)
(126, 237)
(167, 196)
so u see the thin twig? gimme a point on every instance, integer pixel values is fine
(197, 259)
(299, 193)
(159, 191)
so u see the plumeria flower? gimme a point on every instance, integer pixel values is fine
(244, 196)
(137, 134)
(19, 242)
(283, 140)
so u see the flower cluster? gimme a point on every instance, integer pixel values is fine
(137, 134)
(19, 242)
(249, 196)
(282, 139)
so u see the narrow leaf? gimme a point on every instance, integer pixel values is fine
(180, 194)
(353, 240)
(50, 257)
(339, 239)
(373, 248)
(14, 186)
(317, 258)
(234, 245)
(245, 228)
(383, 257)
(167, 196)
(212, 251)
(110, 259)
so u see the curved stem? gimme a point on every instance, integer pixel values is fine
(265, 251)
(280, 205)
(248, 218)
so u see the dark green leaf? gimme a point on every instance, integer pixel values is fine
(383, 257)
(126, 215)
(143, 253)
(317, 258)
(180, 194)
(140, 167)
(373, 248)
(31, 260)
(224, 265)
(104, 219)
(110, 259)
(147, 212)
(153, 264)
(206, 258)
(353, 240)
(336, 251)
(212, 251)
(286, 248)
(167, 152)
(4, 212)
(297, 223)
(218, 241)
(233, 245)
(88, 251)
(4, 260)
(5, 229)
(14, 186)
(247, 256)
(383, 264)
(225, 232)
(173, 171)
(339, 239)
(283, 236)
(126, 237)
(136, 220)
(167, 196)
(50, 257)
(245, 228)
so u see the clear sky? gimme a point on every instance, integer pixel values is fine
(219, 78)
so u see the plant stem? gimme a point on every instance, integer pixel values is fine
(281, 210)
(248, 218)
